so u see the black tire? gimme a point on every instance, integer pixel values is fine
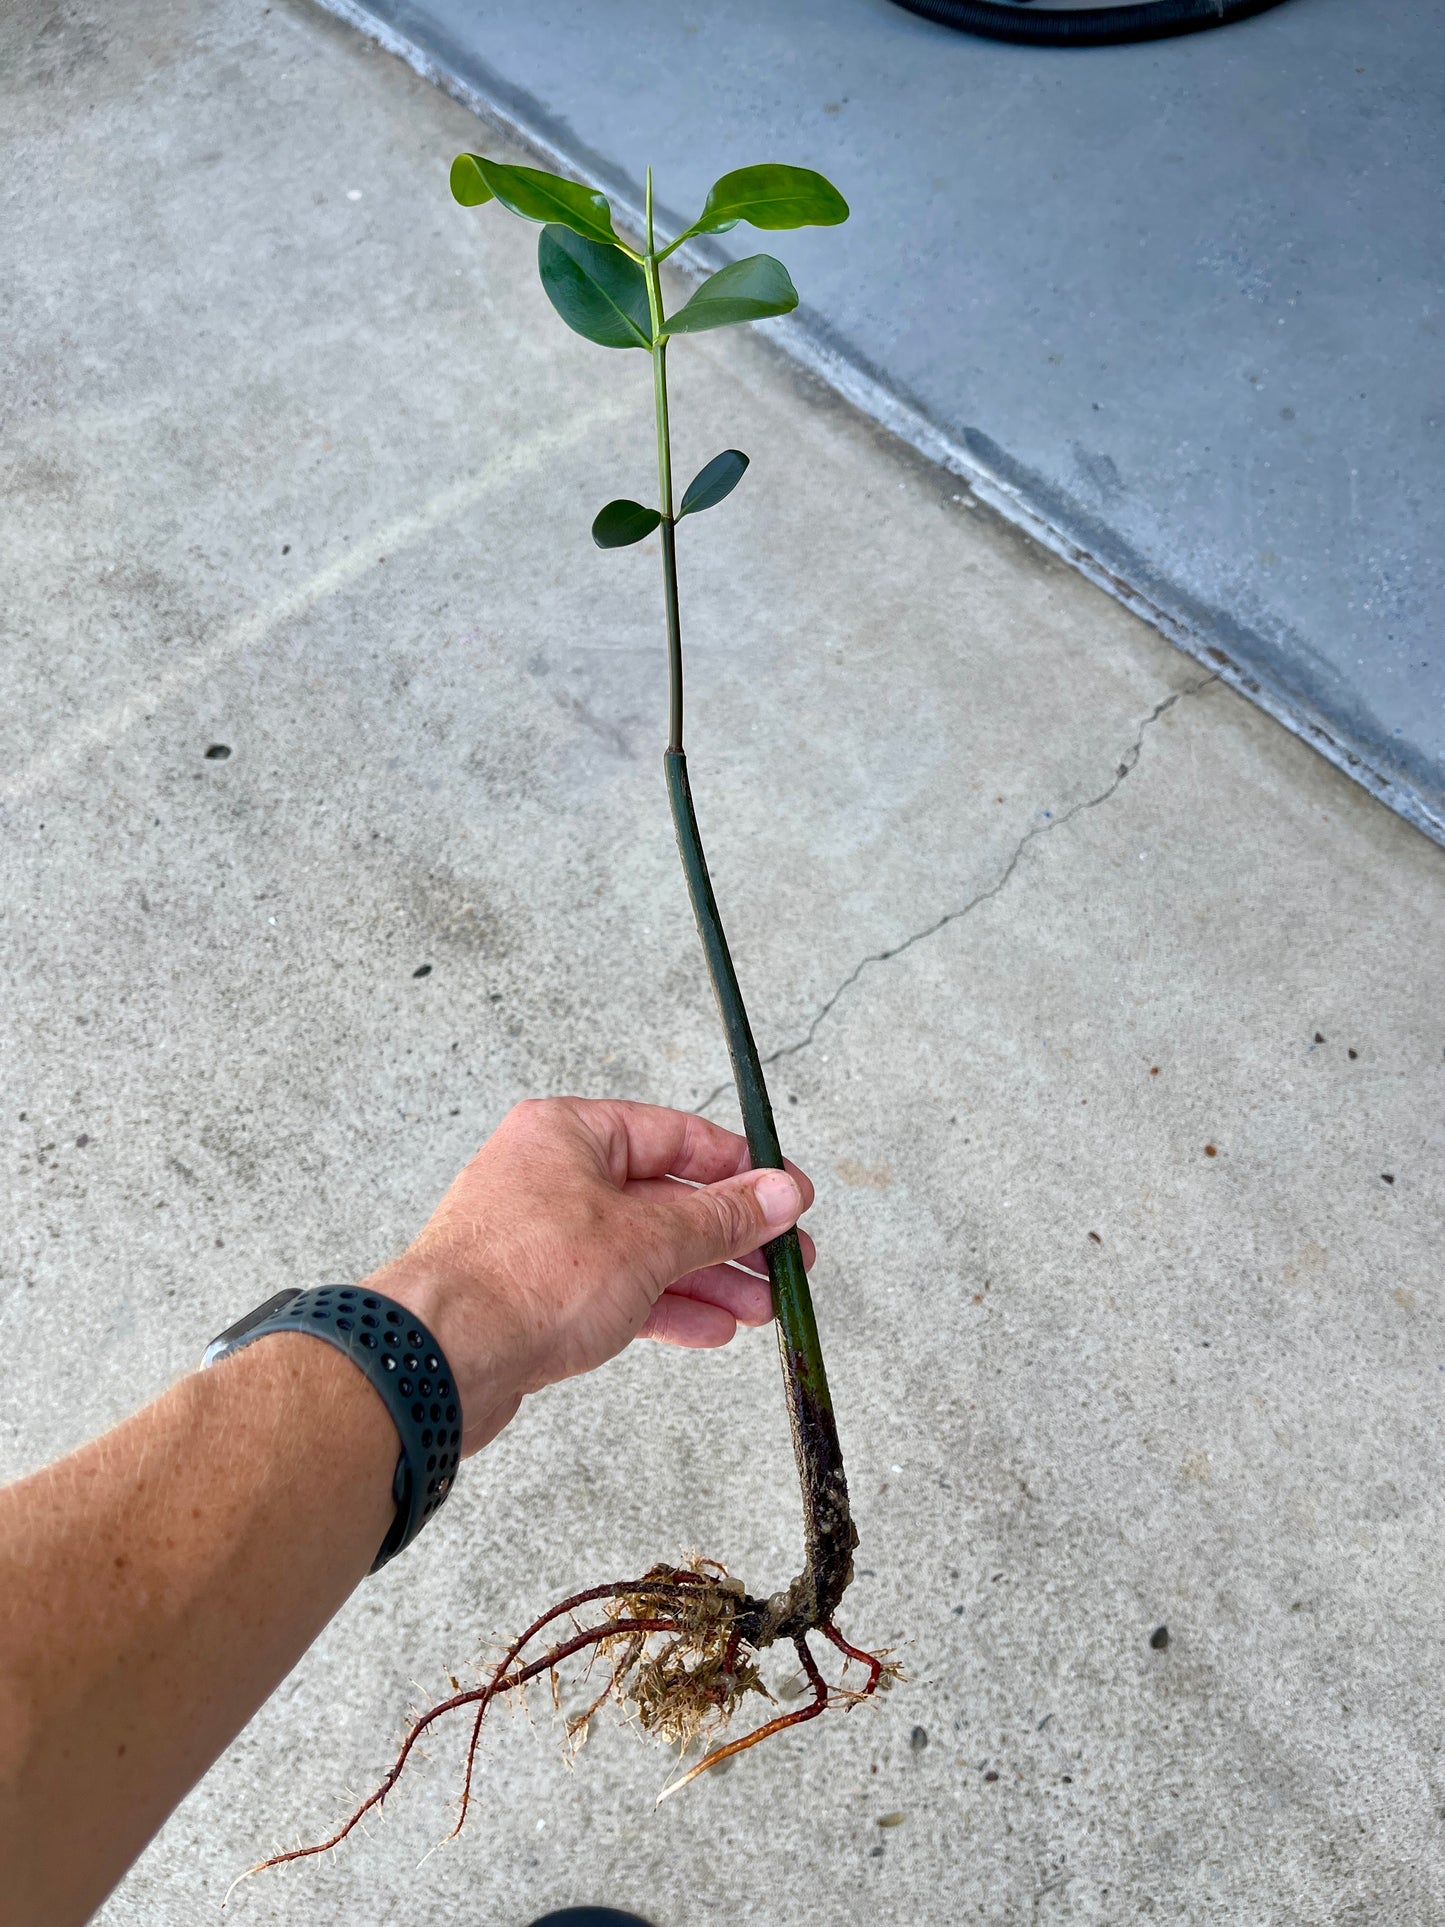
(1085, 26)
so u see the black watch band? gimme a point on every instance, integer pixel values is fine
(405, 1364)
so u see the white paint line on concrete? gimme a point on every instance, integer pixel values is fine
(95, 732)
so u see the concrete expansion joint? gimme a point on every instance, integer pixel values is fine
(1123, 769)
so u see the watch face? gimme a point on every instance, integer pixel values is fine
(223, 1342)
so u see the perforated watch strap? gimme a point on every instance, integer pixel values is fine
(405, 1364)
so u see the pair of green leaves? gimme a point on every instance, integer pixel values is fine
(601, 294)
(770, 196)
(598, 286)
(622, 523)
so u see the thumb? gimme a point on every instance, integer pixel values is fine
(726, 1220)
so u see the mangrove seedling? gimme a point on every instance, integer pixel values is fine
(679, 1645)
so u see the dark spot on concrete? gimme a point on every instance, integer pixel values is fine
(1153, 1070)
(494, 996)
(1352, 1055)
(218, 752)
(82, 1141)
(918, 1738)
(891, 1819)
(791, 1098)
(422, 970)
(1096, 1238)
(285, 546)
(989, 1777)
(1210, 1151)
(1388, 1176)
(1068, 1779)
(1159, 1638)
(1319, 1037)
(875, 1853)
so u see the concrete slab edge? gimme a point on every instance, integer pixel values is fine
(803, 340)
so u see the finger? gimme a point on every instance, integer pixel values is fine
(755, 1261)
(649, 1141)
(749, 1299)
(666, 1187)
(675, 1320)
(715, 1222)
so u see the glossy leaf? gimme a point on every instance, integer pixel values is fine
(749, 290)
(771, 197)
(597, 291)
(468, 185)
(718, 479)
(534, 195)
(622, 523)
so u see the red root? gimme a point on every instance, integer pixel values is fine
(692, 1680)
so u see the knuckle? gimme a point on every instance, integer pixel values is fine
(536, 1113)
(737, 1216)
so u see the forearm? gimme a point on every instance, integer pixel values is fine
(156, 1586)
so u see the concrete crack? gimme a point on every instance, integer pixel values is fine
(1122, 770)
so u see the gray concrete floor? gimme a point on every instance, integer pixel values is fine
(1176, 306)
(296, 460)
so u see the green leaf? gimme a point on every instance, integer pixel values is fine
(711, 483)
(597, 291)
(744, 291)
(534, 195)
(771, 197)
(622, 523)
(468, 186)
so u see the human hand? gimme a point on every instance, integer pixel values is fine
(580, 1225)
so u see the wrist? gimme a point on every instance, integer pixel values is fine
(470, 1322)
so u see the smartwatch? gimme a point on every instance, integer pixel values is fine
(407, 1367)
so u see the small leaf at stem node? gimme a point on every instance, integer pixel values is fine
(622, 523)
(717, 479)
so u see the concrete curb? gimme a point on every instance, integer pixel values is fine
(808, 342)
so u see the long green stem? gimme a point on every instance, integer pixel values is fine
(664, 488)
(828, 1533)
